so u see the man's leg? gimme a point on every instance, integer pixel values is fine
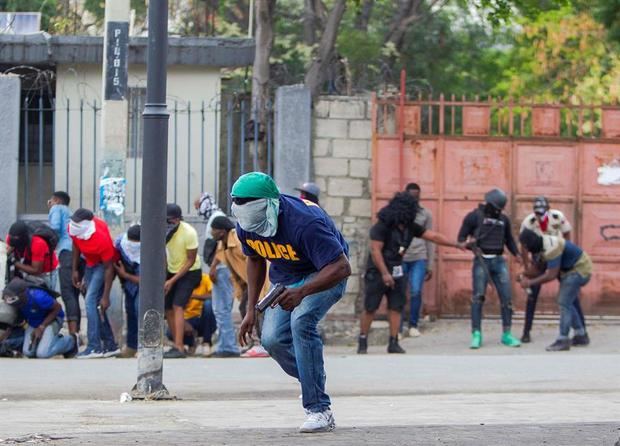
(222, 308)
(416, 285)
(131, 311)
(479, 285)
(53, 344)
(277, 339)
(94, 290)
(374, 291)
(501, 280)
(26, 350)
(179, 325)
(208, 322)
(308, 346)
(396, 298)
(570, 286)
(530, 310)
(70, 294)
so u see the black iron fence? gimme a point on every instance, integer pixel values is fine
(211, 143)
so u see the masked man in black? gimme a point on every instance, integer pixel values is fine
(486, 230)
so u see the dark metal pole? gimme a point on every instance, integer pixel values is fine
(153, 232)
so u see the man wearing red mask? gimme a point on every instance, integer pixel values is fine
(543, 221)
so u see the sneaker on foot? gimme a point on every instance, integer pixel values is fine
(362, 345)
(128, 352)
(90, 354)
(414, 332)
(318, 422)
(394, 347)
(258, 351)
(174, 353)
(580, 340)
(224, 355)
(560, 345)
(112, 353)
(476, 339)
(509, 340)
(525, 339)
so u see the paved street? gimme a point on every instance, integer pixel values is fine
(431, 396)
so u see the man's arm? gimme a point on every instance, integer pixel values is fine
(51, 316)
(108, 278)
(189, 261)
(440, 239)
(376, 252)
(467, 227)
(34, 269)
(510, 241)
(326, 278)
(549, 275)
(75, 266)
(256, 268)
(430, 246)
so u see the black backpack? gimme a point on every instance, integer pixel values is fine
(45, 232)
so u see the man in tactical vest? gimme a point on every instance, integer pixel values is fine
(485, 231)
(543, 221)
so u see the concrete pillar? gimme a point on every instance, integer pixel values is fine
(293, 137)
(10, 90)
(114, 115)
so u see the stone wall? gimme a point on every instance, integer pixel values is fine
(342, 160)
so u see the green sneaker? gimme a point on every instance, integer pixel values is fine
(476, 339)
(509, 340)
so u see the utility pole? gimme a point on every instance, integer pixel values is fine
(114, 113)
(153, 232)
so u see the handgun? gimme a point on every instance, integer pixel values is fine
(270, 298)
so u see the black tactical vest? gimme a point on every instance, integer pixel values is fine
(490, 234)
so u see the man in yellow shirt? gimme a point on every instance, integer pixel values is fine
(184, 273)
(200, 322)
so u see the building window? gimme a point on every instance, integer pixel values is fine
(137, 99)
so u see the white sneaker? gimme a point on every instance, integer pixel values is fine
(90, 354)
(318, 422)
(414, 332)
(111, 353)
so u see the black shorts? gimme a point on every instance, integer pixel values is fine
(375, 289)
(182, 290)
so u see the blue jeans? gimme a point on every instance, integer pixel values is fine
(292, 339)
(99, 333)
(570, 285)
(131, 310)
(222, 308)
(499, 276)
(50, 344)
(416, 272)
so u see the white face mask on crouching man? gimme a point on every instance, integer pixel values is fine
(258, 216)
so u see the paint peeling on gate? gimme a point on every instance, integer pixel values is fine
(457, 149)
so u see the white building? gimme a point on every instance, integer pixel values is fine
(60, 147)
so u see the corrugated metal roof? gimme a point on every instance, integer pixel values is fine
(201, 51)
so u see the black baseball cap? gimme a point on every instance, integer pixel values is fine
(173, 210)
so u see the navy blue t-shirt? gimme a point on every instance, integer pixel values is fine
(571, 254)
(306, 241)
(38, 305)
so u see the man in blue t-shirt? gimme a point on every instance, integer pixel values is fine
(44, 317)
(308, 255)
(573, 266)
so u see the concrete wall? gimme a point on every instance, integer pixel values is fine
(341, 157)
(185, 84)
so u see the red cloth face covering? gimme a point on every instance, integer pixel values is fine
(544, 223)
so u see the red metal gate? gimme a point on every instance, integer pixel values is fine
(456, 150)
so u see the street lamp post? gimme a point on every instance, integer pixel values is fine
(153, 232)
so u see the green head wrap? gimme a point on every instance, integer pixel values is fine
(255, 185)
